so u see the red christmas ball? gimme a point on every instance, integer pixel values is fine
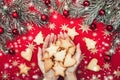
(93, 26)
(86, 3)
(107, 58)
(109, 28)
(15, 14)
(66, 13)
(101, 12)
(1, 30)
(11, 51)
(44, 17)
(15, 31)
(47, 2)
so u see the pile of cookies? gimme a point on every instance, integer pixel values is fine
(59, 56)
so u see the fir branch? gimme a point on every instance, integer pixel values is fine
(40, 6)
(65, 5)
(21, 7)
(93, 11)
(116, 23)
(54, 4)
(114, 44)
(111, 7)
(77, 9)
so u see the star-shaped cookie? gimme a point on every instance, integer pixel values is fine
(72, 33)
(66, 43)
(52, 49)
(59, 69)
(24, 69)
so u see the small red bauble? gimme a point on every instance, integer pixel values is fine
(107, 58)
(86, 3)
(101, 12)
(44, 17)
(93, 26)
(11, 51)
(109, 28)
(47, 2)
(15, 32)
(1, 30)
(15, 14)
(66, 13)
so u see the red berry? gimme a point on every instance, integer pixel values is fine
(109, 28)
(44, 17)
(15, 32)
(93, 26)
(11, 51)
(1, 30)
(101, 12)
(47, 2)
(107, 58)
(15, 14)
(66, 13)
(86, 3)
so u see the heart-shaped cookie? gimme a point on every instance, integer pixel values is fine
(27, 55)
(93, 66)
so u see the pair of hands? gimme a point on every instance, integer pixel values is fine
(70, 72)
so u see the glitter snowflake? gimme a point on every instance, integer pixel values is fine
(93, 51)
(37, 77)
(6, 65)
(30, 38)
(108, 77)
(117, 73)
(15, 63)
(5, 76)
(106, 33)
(29, 27)
(33, 64)
(106, 66)
(71, 22)
(94, 77)
(94, 34)
(84, 28)
(64, 27)
(24, 37)
(52, 26)
(55, 16)
(31, 46)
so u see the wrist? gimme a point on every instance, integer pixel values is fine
(70, 76)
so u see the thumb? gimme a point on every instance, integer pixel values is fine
(77, 58)
(78, 54)
(40, 62)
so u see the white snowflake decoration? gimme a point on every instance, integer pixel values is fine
(64, 27)
(84, 28)
(52, 26)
